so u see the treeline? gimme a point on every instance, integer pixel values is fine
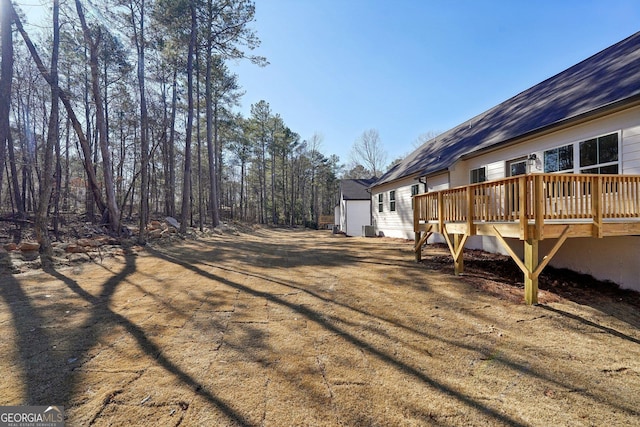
(128, 110)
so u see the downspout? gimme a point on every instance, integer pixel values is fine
(422, 182)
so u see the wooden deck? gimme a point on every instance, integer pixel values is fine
(530, 208)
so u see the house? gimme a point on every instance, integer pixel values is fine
(582, 121)
(353, 210)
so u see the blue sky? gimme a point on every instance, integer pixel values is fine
(408, 67)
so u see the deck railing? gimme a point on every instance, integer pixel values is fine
(534, 197)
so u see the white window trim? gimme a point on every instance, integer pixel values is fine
(576, 153)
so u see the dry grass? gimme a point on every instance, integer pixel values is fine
(282, 328)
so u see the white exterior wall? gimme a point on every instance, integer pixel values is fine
(438, 182)
(631, 150)
(353, 215)
(400, 222)
(615, 259)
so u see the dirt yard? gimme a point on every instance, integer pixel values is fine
(307, 328)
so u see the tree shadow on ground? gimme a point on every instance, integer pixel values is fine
(321, 320)
(583, 289)
(197, 260)
(32, 342)
(102, 316)
(51, 379)
(595, 325)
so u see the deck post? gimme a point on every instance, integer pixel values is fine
(538, 206)
(531, 264)
(522, 207)
(597, 203)
(418, 248)
(458, 259)
(440, 212)
(470, 196)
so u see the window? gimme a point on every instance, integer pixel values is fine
(380, 202)
(519, 168)
(559, 159)
(596, 155)
(599, 155)
(392, 201)
(478, 175)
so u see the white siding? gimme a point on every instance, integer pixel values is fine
(616, 259)
(400, 222)
(496, 170)
(631, 150)
(438, 182)
(355, 215)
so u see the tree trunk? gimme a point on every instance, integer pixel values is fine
(46, 181)
(57, 188)
(6, 75)
(17, 196)
(285, 207)
(212, 133)
(243, 215)
(89, 203)
(199, 144)
(172, 144)
(186, 188)
(213, 175)
(66, 195)
(166, 152)
(112, 204)
(274, 213)
(144, 128)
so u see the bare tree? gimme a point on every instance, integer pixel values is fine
(186, 185)
(112, 206)
(425, 137)
(368, 151)
(64, 97)
(46, 180)
(137, 25)
(6, 75)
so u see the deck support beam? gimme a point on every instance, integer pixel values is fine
(418, 247)
(420, 240)
(456, 248)
(531, 267)
(458, 243)
(531, 264)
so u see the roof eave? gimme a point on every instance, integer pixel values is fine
(414, 175)
(596, 113)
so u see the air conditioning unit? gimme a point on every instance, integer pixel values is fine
(368, 231)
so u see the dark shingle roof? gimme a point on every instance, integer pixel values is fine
(356, 189)
(607, 78)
